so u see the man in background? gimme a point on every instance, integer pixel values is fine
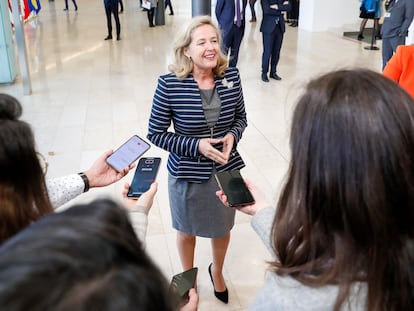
(230, 15)
(397, 18)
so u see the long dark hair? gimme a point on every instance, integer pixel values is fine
(346, 212)
(84, 258)
(23, 193)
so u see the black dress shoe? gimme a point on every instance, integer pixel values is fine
(275, 76)
(360, 37)
(265, 78)
(118, 38)
(108, 38)
(222, 296)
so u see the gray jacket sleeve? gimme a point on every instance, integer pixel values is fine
(138, 216)
(262, 224)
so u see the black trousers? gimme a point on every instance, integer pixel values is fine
(112, 10)
(272, 43)
(169, 5)
(150, 15)
(231, 43)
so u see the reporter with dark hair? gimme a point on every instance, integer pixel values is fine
(342, 234)
(84, 258)
(25, 194)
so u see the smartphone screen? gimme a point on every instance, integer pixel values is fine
(182, 282)
(128, 153)
(234, 187)
(144, 176)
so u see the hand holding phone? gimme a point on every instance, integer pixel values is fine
(234, 187)
(144, 176)
(181, 284)
(128, 153)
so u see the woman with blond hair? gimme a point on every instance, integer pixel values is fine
(203, 99)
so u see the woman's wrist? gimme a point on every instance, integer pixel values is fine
(138, 209)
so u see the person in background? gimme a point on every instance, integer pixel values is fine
(169, 5)
(341, 234)
(251, 4)
(231, 15)
(67, 7)
(397, 18)
(202, 99)
(293, 14)
(111, 8)
(121, 6)
(272, 29)
(25, 194)
(84, 258)
(370, 9)
(400, 68)
(151, 12)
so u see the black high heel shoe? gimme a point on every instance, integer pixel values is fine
(222, 296)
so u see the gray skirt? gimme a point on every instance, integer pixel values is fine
(196, 210)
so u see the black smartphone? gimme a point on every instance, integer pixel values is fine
(144, 176)
(181, 284)
(234, 187)
(128, 153)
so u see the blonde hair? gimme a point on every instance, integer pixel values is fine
(182, 66)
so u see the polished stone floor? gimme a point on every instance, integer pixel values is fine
(90, 95)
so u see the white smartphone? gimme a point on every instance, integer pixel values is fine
(128, 153)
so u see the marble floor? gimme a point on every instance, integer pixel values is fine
(90, 95)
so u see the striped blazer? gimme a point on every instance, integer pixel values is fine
(179, 101)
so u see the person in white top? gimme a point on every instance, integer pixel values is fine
(25, 194)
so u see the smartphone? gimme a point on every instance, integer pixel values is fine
(145, 174)
(128, 153)
(181, 284)
(234, 187)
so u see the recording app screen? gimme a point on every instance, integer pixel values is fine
(144, 180)
(129, 152)
(147, 171)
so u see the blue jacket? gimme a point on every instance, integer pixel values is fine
(225, 12)
(111, 3)
(179, 101)
(272, 17)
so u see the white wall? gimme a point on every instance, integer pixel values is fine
(321, 15)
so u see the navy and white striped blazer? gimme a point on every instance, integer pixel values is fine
(179, 101)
